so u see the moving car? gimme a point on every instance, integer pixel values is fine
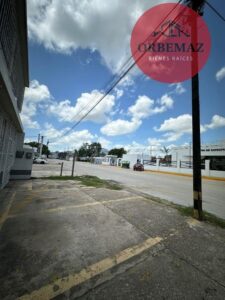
(38, 160)
(138, 167)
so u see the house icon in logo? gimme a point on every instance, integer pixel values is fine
(171, 29)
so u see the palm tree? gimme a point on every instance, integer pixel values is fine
(166, 151)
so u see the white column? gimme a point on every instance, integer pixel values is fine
(207, 167)
(157, 163)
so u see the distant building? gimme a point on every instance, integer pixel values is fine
(213, 152)
(13, 80)
(109, 160)
(133, 158)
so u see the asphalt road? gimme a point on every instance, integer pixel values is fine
(177, 189)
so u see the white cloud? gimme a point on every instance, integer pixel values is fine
(72, 140)
(180, 124)
(216, 122)
(137, 148)
(28, 122)
(65, 111)
(120, 127)
(220, 74)
(142, 107)
(119, 92)
(104, 142)
(155, 142)
(126, 82)
(179, 89)
(36, 92)
(65, 26)
(166, 101)
(33, 97)
(174, 128)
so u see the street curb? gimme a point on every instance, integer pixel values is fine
(185, 175)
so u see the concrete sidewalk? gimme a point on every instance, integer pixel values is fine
(62, 240)
(176, 189)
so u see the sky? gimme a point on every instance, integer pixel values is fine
(77, 47)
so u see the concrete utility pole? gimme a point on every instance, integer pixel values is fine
(38, 149)
(41, 147)
(74, 158)
(196, 5)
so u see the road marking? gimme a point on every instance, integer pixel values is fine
(93, 203)
(66, 283)
(62, 208)
(4, 216)
(193, 223)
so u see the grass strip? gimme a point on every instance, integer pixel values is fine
(207, 217)
(88, 180)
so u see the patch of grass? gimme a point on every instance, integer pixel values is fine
(207, 217)
(188, 211)
(89, 181)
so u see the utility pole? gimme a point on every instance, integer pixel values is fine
(41, 147)
(74, 158)
(196, 5)
(38, 149)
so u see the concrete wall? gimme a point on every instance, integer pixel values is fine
(205, 172)
(185, 153)
(132, 158)
(13, 78)
(10, 141)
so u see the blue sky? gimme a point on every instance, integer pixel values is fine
(75, 47)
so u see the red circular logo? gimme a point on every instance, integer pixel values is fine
(170, 43)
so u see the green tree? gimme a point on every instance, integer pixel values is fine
(94, 149)
(90, 150)
(166, 151)
(45, 149)
(83, 151)
(117, 151)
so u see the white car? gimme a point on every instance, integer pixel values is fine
(39, 160)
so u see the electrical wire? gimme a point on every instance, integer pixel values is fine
(216, 11)
(112, 80)
(118, 80)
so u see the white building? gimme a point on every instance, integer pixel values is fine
(133, 158)
(109, 160)
(184, 153)
(13, 79)
(215, 153)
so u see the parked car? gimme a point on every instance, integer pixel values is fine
(39, 160)
(138, 167)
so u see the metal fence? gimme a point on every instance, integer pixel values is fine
(172, 164)
(189, 165)
(149, 163)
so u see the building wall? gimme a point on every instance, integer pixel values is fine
(10, 141)
(185, 153)
(13, 79)
(132, 158)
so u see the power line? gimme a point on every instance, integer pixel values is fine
(216, 11)
(120, 77)
(110, 82)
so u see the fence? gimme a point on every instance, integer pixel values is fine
(183, 167)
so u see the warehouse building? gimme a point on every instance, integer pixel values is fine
(13, 80)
